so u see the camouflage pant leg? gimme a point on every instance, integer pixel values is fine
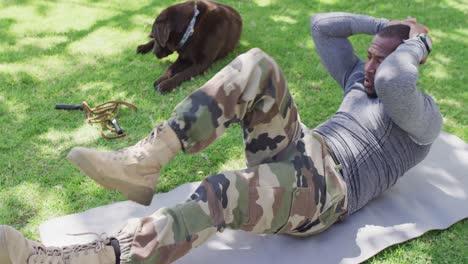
(251, 90)
(300, 196)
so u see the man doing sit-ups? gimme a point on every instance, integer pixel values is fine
(298, 181)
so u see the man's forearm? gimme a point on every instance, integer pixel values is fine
(330, 32)
(345, 24)
(409, 108)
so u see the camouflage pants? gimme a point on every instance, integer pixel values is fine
(290, 186)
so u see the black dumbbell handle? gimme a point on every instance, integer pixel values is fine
(118, 130)
(69, 107)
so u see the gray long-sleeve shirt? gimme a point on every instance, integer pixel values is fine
(375, 139)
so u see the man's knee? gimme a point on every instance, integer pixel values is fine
(211, 197)
(257, 51)
(254, 55)
(213, 187)
(261, 55)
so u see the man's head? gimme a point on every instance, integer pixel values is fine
(384, 43)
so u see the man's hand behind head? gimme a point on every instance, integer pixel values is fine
(415, 29)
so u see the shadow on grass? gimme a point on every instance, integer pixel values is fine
(15, 211)
(5, 35)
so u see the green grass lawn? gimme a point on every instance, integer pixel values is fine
(70, 51)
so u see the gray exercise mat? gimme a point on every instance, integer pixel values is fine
(433, 195)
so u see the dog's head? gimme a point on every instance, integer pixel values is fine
(161, 32)
(169, 27)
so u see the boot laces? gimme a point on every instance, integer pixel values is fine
(138, 149)
(135, 150)
(42, 252)
(150, 138)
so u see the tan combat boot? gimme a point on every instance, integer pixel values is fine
(16, 249)
(133, 171)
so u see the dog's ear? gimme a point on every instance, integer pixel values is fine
(162, 33)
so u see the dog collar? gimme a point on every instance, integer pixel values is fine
(190, 28)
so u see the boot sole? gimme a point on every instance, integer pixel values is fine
(140, 194)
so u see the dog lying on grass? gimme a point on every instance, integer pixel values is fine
(200, 31)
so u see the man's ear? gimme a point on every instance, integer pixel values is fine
(162, 33)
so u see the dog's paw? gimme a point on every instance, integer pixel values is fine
(142, 49)
(156, 87)
(160, 80)
(163, 86)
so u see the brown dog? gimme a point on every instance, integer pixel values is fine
(216, 31)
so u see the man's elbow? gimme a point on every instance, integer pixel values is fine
(315, 22)
(315, 18)
(321, 21)
(384, 80)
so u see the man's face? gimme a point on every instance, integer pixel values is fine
(379, 49)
